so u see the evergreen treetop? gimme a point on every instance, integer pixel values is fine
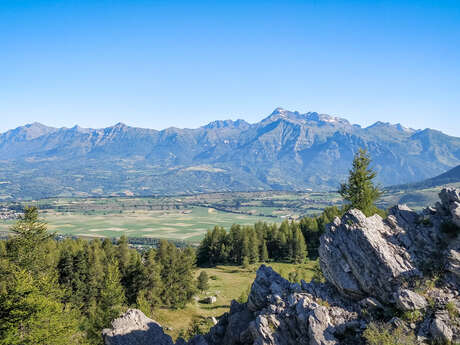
(359, 191)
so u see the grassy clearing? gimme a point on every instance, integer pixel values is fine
(228, 284)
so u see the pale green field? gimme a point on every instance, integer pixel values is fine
(188, 225)
(228, 284)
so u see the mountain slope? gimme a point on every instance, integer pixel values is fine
(449, 177)
(286, 150)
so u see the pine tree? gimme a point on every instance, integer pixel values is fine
(203, 281)
(359, 191)
(109, 305)
(264, 252)
(149, 297)
(31, 313)
(27, 249)
(253, 247)
(123, 255)
(245, 262)
(134, 279)
(299, 246)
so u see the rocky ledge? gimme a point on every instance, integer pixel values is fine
(400, 272)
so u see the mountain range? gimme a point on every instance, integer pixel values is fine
(286, 150)
(449, 177)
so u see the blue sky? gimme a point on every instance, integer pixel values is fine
(171, 63)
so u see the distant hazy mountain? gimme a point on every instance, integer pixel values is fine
(286, 150)
(449, 177)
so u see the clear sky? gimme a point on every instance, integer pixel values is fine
(171, 63)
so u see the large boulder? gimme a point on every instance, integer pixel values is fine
(440, 331)
(407, 300)
(359, 259)
(134, 328)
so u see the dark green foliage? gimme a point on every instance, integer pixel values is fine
(32, 304)
(251, 244)
(313, 227)
(359, 191)
(203, 281)
(381, 334)
(66, 292)
(178, 283)
(28, 249)
(289, 241)
(31, 312)
(318, 275)
(199, 325)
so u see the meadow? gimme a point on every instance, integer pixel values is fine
(227, 283)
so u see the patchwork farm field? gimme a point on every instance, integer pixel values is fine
(187, 225)
(188, 217)
(184, 218)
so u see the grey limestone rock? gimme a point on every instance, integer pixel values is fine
(134, 328)
(408, 300)
(371, 265)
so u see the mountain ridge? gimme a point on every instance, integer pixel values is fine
(311, 115)
(285, 150)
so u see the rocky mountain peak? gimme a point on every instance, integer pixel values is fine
(305, 119)
(373, 267)
(387, 125)
(28, 132)
(240, 124)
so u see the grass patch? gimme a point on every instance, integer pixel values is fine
(227, 283)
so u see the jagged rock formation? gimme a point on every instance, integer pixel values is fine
(402, 271)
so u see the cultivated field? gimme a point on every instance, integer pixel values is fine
(188, 217)
(175, 218)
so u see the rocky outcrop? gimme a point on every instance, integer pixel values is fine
(406, 264)
(134, 328)
(407, 300)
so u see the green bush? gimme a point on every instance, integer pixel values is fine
(382, 334)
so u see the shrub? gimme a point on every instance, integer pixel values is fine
(382, 334)
(318, 275)
(244, 295)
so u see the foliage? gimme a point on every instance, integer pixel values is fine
(318, 275)
(199, 325)
(32, 305)
(243, 298)
(453, 312)
(359, 191)
(31, 313)
(412, 316)
(246, 245)
(381, 334)
(203, 281)
(66, 292)
(28, 248)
